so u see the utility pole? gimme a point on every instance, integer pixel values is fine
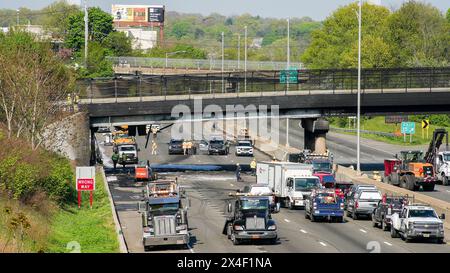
(288, 57)
(358, 151)
(239, 52)
(245, 59)
(223, 84)
(86, 33)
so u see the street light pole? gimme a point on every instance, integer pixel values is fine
(223, 86)
(358, 151)
(245, 59)
(288, 57)
(239, 52)
(86, 33)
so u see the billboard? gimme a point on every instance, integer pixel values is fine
(138, 13)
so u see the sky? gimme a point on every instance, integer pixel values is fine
(316, 9)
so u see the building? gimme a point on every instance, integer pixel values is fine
(141, 38)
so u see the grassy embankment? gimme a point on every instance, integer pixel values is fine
(378, 124)
(38, 208)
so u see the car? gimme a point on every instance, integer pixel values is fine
(218, 146)
(263, 190)
(355, 188)
(363, 202)
(103, 130)
(244, 148)
(176, 146)
(381, 215)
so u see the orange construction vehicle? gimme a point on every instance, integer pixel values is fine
(410, 171)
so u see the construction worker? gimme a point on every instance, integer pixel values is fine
(184, 147)
(115, 159)
(189, 147)
(69, 102)
(154, 147)
(253, 166)
(124, 158)
(238, 172)
(75, 102)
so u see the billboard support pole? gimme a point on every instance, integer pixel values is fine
(79, 199)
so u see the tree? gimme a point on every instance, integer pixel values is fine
(100, 26)
(181, 29)
(118, 43)
(340, 31)
(56, 17)
(420, 35)
(98, 65)
(375, 53)
(34, 82)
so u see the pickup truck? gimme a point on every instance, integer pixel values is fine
(418, 221)
(324, 204)
(381, 216)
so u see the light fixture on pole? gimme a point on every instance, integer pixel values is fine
(358, 130)
(223, 84)
(245, 59)
(86, 33)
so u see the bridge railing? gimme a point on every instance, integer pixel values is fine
(198, 64)
(308, 81)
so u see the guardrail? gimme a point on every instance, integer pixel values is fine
(199, 64)
(362, 131)
(334, 80)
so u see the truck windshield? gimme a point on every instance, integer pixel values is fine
(306, 184)
(422, 213)
(127, 148)
(164, 207)
(216, 142)
(446, 157)
(321, 166)
(255, 204)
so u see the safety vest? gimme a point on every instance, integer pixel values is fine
(253, 164)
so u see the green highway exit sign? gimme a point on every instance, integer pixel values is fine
(289, 76)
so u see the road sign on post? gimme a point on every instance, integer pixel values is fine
(85, 181)
(425, 125)
(408, 128)
(289, 76)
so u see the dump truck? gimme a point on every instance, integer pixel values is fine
(409, 171)
(164, 214)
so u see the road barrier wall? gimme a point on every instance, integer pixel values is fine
(344, 173)
(122, 244)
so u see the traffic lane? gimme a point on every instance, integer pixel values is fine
(440, 192)
(215, 191)
(418, 246)
(201, 157)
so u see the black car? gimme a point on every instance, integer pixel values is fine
(381, 216)
(176, 146)
(218, 146)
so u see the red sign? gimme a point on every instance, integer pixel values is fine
(85, 184)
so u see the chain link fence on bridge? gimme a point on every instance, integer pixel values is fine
(198, 64)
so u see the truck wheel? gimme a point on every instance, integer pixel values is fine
(235, 240)
(290, 206)
(273, 241)
(428, 187)
(313, 219)
(374, 222)
(394, 233)
(306, 215)
(444, 180)
(340, 219)
(147, 248)
(440, 241)
(409, 180)
(354, 216)
(229, 231)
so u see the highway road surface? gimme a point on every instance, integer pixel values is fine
(208, 192)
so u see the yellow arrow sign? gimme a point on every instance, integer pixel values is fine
(425, 123)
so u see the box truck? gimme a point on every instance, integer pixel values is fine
(291, 182)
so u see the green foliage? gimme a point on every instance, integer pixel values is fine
(375, 53)
(189, 52)
(98, 65)
(419, 35)
(181, 29)
(336, 39)
(56, 17)
(118, 43)
(100, 26)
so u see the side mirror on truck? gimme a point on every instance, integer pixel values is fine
(229, 207)
(442, 217)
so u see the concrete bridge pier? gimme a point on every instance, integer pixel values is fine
(315, 134)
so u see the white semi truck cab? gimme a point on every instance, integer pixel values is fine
(291, 182)
(443, 167)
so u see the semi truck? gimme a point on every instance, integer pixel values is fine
(291, 182)
(439, 159)
(164, 214)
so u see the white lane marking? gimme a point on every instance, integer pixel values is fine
(322, 243)
(304, 231)
(448, 191)
(287, 221)
(389, 244)
(231, 185)
(362, 230)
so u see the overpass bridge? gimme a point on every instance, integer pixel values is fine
(138, 99)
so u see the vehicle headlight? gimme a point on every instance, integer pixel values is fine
(272, 227)
(237, 227)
